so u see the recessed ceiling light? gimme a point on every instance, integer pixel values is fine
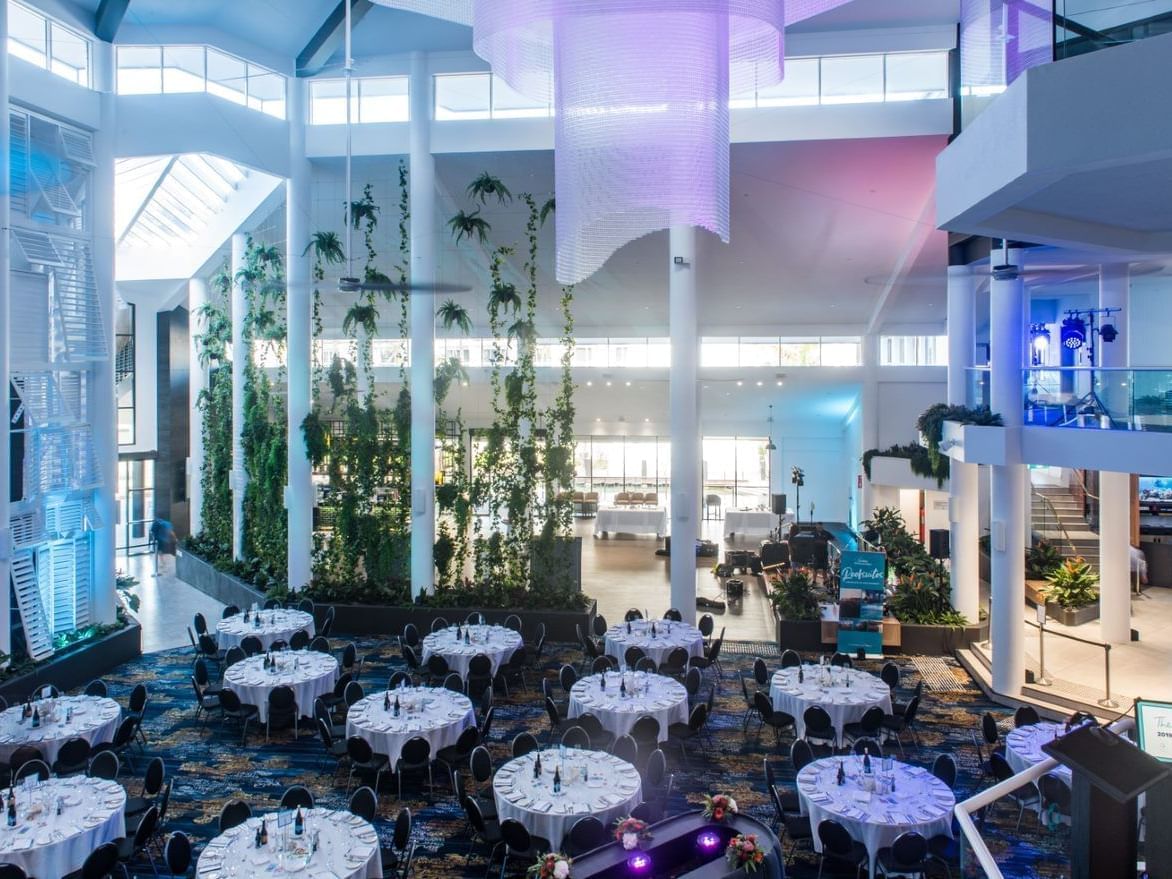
(740, 383)
(598, 419)
(780, 383)
(608, 384)
(760, 383)
(628, 384)
(646, 420)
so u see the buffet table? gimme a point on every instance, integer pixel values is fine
(629, 520)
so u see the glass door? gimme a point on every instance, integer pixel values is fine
(136, 493)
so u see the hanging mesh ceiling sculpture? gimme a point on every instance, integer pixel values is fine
(640, 90)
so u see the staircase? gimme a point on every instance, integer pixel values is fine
(1057, 517)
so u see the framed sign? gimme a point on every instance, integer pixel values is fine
(862, 584)
(1153, 724)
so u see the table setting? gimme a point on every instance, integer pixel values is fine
(1023, 747)
(845, 693)
(93, 718)
(618, 699)
(308, 672)
(59, 822)
(332, 845)
(436, 714)
(458, 644)
(875, 799)
(269, 626)
(587, 783)
(656, 638)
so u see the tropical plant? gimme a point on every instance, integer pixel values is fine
(361, 315)
(922, 596)
(548, 208)
(794, 596)
(1073, 584)
(469, 225)
(931, 423)
(452, 314)
(918, 458)
(446, 374)
(1041, 559)
(485, 185)
(503, 297)
(326, 248)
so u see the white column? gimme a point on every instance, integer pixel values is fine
(1115, 292)
(868, 415)
(239, 358)
(422, 186)
(197, 383)
(5, 292)
(963, 520)
(1115, 556)
(685, 420)
(102, 399)
(1007, 486)
(298, 299)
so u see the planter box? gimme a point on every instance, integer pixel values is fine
(940, 640)
(371, 619)
(801, 635)
(1034, 590)
(974, 443)
(78, 665)
(1069, 617)
(897, 472)
(223, 587)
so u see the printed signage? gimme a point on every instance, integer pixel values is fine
(862, 583)
(1153, 721)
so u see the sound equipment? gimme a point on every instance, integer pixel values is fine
(938, 543)
(778, 501)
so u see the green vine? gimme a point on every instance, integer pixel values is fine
(917, 455)
(931, 424)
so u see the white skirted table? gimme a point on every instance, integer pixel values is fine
(347, 848)
(436, 714)
(308, 672)
(1023, 747)
(496, 642)
(267, 625)
(625, 520)
(750, 522)
(44, 843)
(593, 783)
(872, 812)
(667, 636)
(658, 696)
(93, 718)
(845, 693)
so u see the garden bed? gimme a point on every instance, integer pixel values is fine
(1069, 617)
(225, 588)
(77, 665)
(808, 636)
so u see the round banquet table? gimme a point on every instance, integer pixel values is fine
(275, 625)
(610, 792)
(48, 844)
(347, 848)
(920, 801)
(1023, 747)
(495, 642)
(668, 636)
(433, 713)
(92, 718)
(845, 693)
(659, 696)
(308, 672)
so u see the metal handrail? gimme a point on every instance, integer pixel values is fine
(1057, 520)
(1082, 481)
(964, 810)
(1106, 701)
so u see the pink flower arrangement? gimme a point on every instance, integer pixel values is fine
(629, 831)
(718, 806)
(553, 865)
(743, 851)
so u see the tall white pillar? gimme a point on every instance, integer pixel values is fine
(103, 411)
(197, 383)
(1115, 292)
(422, 186)
(685, 419)
(1007, 486)
(1115, 556)
(298, 301)
(240, 356)
(5, 293)
(869, 416)
(963, 484)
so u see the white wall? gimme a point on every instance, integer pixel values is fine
(1150, 320)
(902, 398)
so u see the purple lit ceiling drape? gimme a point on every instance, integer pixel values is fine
(1001, 39)
(640, 90)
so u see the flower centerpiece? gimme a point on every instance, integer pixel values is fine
(551, 865)
(630, 831)
(718, 806)
(743, 851)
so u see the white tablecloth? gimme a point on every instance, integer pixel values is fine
(662, 697)
(610, 792)
(495, 642)
(308, 672)
(1023, 747)
(668, 636)
(631, 521)
(52, 845)
(435, 714)
(750, 522)
(845, 704)
(94, 719)
(275, 625)
(348, 848)
(920, 802)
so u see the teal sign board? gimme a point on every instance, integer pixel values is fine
(862, 582)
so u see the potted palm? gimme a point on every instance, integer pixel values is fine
(1072, 596)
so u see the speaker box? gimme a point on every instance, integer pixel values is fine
(778, 504)
(938, 543)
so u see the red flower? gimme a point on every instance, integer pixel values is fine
(718, 813)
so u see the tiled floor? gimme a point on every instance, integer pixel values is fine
(167, 604)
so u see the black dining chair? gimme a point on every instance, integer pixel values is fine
(800, 755)
(437, 624)
(453, 757)
(645, 732)
(364, 804)
(1024, 797)
(98, 864)
(297, 797)
(364, 761)
(282, 711)
(868, 726)
(231, 708)
(790, 659)
(399, 679)
(675, 663)
(867, 748)
(907, 855)
(633, 614)
(105, 765)
(152, 784)
(820, 732)
(680, 734)
(841, 660)
(1026, 715)
(299, 640)
(788, 796)
(177, 854)
(839, 849)
(519, 843)
(586, 834)
(73, 757)
(673, 614)
(894, 725)
(251, 645)
(523, 743)
(772, 717)
(234, 813)
(944, 768)
(600, 737)
(97, 687)
(320, 644)
(415, 756)
(576, 737)
(481, 830)
(625, 748)
(889, 674)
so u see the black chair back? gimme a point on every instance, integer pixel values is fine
(989, 729)
(100, 863)
(587, 834)
(297, 797)
(177, 854)
(104, 764)
(251, 645)
(234, 813)
(416, 752)
(576, 737)
(835, 838)
(673, 614)
(201, 625)
(889, 674)
(454, 682)
(402, 829)
(364, 804)
(909, 850)
(632, 655)
(625, 748)
(299, 640)
(523, 743)
(399, 679)
(790, 659)
(320, 644)
(480, 764)
(515, 836)
(944, 768)
(1026, 715)
(800, 754)
(411, 635)
(97, 688)
(633, 614)
(818, 723)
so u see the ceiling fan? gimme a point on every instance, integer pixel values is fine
(350, 283)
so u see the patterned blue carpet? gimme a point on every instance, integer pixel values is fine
(210, 767)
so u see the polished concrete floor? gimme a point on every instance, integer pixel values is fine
(166, 603)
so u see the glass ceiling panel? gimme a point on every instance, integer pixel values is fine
(166, 201)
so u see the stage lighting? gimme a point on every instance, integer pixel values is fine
(1074, 333)
(1108, 333)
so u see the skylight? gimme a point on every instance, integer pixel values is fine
(164, 201)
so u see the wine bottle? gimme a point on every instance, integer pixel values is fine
(537, 767)
(264, 832)
(396, 705)
(298, 823)
(557, 780)
(386, 701)
(459, 631)
(867, 761)
(467, 639)
(623, 687)
(628, 627)
(653, 632)
(36, 717)
(841, 774)
(801, 676)
(11, 808)
(602, 681)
